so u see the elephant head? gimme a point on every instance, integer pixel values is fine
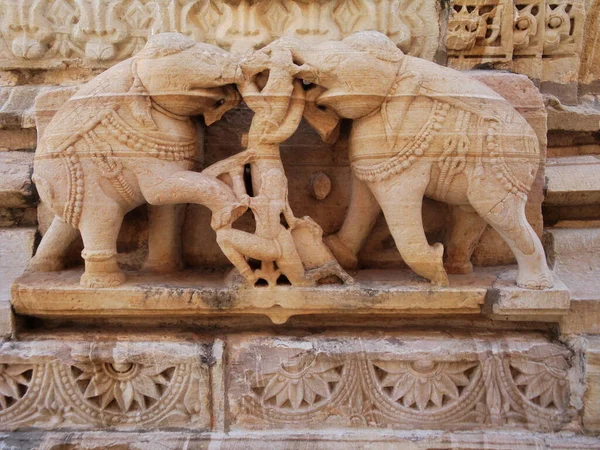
(355, 74)
(186, 78)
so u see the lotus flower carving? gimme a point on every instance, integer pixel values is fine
(542, 382)
(123, 386)
(300, 384)
(424, 384)
(14, 382)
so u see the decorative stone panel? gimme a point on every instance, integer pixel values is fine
(91, 385)
(404, 381)
(543, 39)
(50, 33)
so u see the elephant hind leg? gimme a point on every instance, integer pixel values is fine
(358, 224)
(99, 230)
(164, 238)
(401, 199)
(466, 228)
(51, 252)
(508, 218)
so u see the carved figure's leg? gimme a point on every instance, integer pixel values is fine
(358, 223)
(401, 199)
(466, 228)
(237, 244)
(51, 252)
(508, 218)
(99, 229)
(290, 263)
(193, 187)
(164, 238)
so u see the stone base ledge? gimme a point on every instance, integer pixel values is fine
(334, 440)
(197, 293)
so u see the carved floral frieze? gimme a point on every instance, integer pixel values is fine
(42, 33)
(103, 391)
(365, 389)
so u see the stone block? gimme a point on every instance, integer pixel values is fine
(16, 187)
(411, 380)
(21, 139)
(573, 180)
(591, 398)
(514, 303)
(112, 383)
(575, 253)
(583, 117)
(16, 247)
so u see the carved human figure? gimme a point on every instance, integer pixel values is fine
(278, 102)
(424, 130)
(127, 138)
(271, 240)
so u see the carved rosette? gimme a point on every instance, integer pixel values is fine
(521, 389)
(103, 392)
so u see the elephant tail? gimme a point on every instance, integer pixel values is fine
(44, 189)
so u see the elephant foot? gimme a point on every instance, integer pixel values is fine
(542, 280)
(102, 279)
(44, 265)
(342, 253)
(458, 267)
(440, 278)
(430, 265)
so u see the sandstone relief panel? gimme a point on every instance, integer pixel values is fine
(120, 385)
(415, 381)
(126, 138)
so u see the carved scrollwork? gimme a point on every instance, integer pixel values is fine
(423, 393)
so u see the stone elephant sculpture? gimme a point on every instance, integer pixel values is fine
(126, 138)
(423, 130)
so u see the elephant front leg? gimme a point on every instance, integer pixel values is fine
(465, 230)
(51, 252)
(99, 229)
(358, 224)
(164, 238)
(401, 199)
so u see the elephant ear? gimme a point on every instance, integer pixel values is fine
(140, 105)
(325, 122)
(393, 111)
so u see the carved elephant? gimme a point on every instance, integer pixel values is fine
(422, 130)
(126, 138)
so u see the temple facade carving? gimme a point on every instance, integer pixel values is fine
(299, 224)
